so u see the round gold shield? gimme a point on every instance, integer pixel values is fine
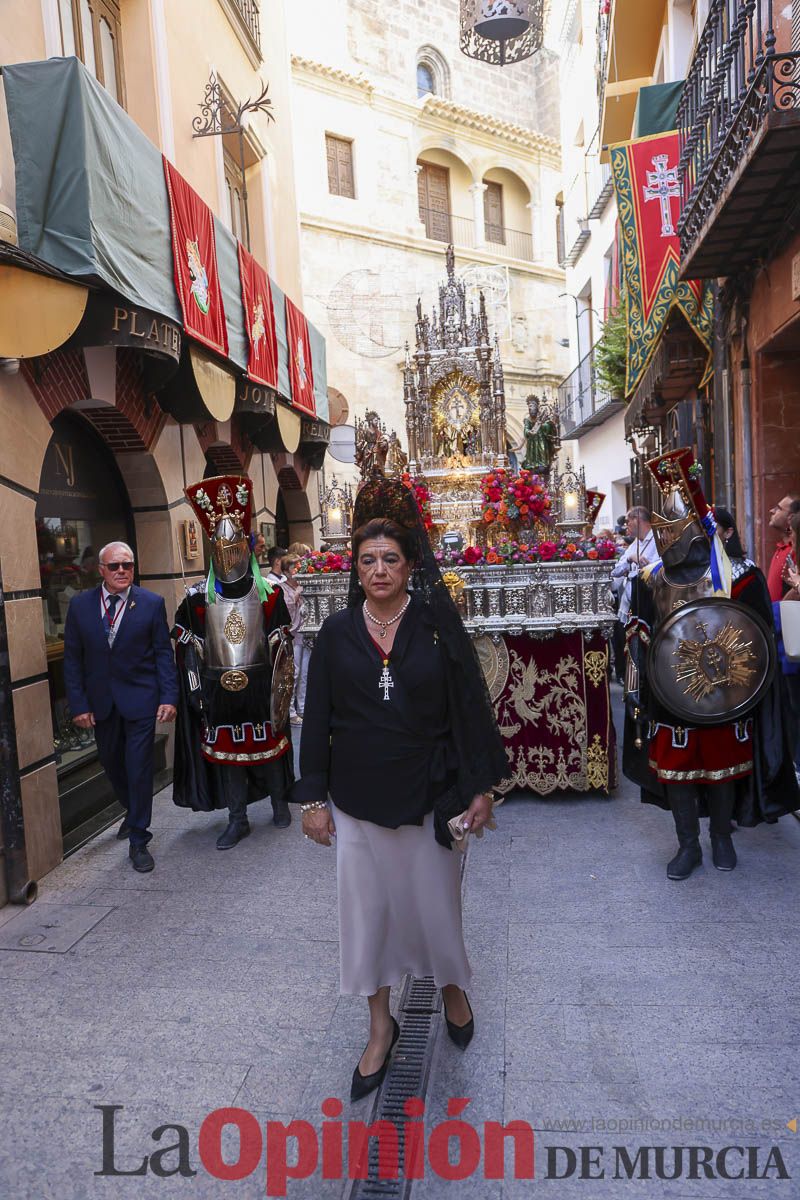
(711, 661)
(282, 684)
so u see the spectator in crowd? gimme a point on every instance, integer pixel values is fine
(300, 549)
(275, 562)
(293, 594)
(779, 521)
(730, 536)
(120, 679)
(259, 547)
(641, 551)
(790, 667)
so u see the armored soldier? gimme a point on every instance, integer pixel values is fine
(703, 729)
(235, 665)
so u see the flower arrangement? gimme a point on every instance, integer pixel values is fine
(324, 562)
(422, 497)
(511, 553)
(521, 498)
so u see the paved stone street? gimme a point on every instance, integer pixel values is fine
(602, 993)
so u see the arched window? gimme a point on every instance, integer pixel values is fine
(433, 73)
(426, 85)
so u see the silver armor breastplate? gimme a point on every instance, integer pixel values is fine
(235, 633)
(670, 596)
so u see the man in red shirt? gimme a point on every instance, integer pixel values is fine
(779, 520)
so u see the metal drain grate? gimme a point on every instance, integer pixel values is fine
(408, 1074)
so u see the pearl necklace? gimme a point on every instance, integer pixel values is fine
(384, 625)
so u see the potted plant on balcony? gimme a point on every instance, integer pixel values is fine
(611, 352)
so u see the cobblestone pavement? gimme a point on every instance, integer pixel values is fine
(606, 998)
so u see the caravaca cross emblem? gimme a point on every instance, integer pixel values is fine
(662, 185)
(198, 276)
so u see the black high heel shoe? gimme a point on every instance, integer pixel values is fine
(460, 1034)
(362, 1085)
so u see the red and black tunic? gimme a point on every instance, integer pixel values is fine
(247, 741)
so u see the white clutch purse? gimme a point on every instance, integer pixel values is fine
(460, 835)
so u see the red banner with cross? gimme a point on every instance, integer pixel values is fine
(259, 321)
(194, 255)
(645, 174)
(300, 370)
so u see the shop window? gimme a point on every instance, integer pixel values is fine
(341, 181)
(90, 29)
(82, 505)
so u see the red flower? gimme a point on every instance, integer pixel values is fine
(547, 550)
(473, 555)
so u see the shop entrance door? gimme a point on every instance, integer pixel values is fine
(82, 505)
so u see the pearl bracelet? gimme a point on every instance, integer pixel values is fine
(314, 806)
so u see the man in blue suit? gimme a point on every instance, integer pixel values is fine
(120, 678)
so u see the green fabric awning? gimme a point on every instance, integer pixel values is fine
(656, 108)
(92, 202)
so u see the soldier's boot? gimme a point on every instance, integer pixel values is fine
(720, 808)
(683, 802)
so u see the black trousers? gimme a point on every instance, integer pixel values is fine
(126, 750)
(719, 800)
(240, 785)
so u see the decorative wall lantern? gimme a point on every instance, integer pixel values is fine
(501, 31)
(336, 509)
(571, 501)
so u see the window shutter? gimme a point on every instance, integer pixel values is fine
(493, 212)
(346, 182)
(333, 171)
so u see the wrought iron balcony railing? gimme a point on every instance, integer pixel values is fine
(445, 227)
(582, 402)
(512, 243)
(250, 16)
(744, 74)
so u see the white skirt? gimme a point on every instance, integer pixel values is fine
(399, 906)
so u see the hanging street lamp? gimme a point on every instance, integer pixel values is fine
(501, 31)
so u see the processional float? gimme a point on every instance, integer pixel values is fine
(510, 532)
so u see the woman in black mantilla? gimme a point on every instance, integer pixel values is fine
(399, 730)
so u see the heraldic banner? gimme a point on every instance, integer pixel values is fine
(194, 254)
(300, 370)
(645, 174)
(259, 321)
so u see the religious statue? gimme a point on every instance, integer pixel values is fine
(444, 441)
(372, 445)
(541, 438)
(397, 459)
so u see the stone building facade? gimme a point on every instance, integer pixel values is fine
(403, 145)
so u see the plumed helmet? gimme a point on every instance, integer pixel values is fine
(685, 518)
(224, 507)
